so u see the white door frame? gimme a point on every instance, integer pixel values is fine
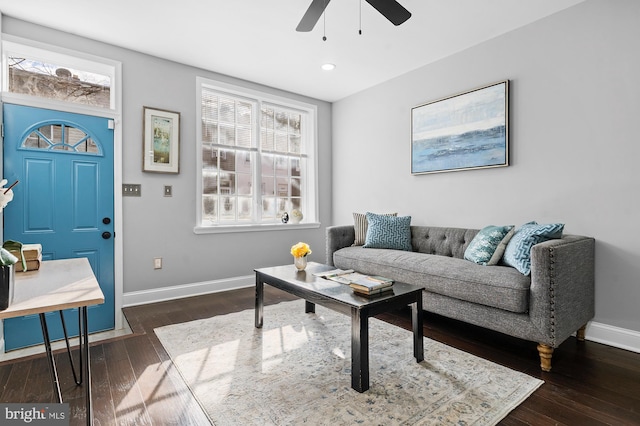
(115, 115)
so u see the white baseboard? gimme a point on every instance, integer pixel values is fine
(186, 290)
(595, 332)
(613, 336)
(162, 294)
(60, 344)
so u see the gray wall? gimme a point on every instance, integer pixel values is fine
(157, 226)
(575, 109)
(574, 153)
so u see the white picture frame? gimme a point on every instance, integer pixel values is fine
(161, 141)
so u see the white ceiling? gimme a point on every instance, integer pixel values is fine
(256, 39)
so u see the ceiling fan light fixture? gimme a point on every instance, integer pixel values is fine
(328, 67)
(390, 9)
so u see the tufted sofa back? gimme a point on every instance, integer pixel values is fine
(450, 242)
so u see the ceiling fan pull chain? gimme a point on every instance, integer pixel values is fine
(324, 22)
(390, 9)
(360, 29)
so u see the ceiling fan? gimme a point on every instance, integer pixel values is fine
(390, 9)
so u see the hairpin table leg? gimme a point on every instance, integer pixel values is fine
(87, 366)
(66, 339)
(52, 362)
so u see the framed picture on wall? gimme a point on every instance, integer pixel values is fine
(462, 132)
(161, 141)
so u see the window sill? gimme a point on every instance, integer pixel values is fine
(222, 229)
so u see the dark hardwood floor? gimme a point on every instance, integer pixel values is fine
(134, 382)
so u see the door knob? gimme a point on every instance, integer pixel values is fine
(106, 235)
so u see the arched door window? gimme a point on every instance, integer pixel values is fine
(60, 136)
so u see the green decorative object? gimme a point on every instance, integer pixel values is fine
(15, 246)
(6, 258)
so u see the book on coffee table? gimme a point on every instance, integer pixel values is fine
(333, 273)
(376, 292)
(356, 280)
(346, 276)
(373, 281)
(371, 284)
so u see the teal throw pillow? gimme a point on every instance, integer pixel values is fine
(488, 246)
(361, 225)
(518, 251)
(388, 232)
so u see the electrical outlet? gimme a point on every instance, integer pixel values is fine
(157, 263)
(131, 189)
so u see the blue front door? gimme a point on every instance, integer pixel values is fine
(64, 201)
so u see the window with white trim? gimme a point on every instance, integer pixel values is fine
(256, 156)
(34, 70)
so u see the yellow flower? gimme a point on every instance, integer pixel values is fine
(300, 250)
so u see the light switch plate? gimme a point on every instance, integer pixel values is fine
(168, 191)
(131, 189)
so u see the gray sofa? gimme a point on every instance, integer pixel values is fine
(546, 307)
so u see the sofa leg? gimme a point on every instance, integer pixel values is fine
(545, 352)
(580, 333)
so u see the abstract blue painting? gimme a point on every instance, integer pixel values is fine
(462, 132)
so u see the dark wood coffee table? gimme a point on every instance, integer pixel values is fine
(341, 298)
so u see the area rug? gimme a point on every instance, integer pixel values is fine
(297, 370)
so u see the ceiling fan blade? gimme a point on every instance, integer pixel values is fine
(392, 10)
(311, 16)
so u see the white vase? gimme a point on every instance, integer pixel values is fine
(295, 216)
(300, 262)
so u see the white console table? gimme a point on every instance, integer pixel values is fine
(58, 285)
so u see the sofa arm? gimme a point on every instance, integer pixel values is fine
(339, 237)
(562, 286)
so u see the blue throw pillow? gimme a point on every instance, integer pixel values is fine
(361, 225)
(518, 251)
(488, 246)
(388, 232)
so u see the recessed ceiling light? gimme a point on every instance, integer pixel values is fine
(328, 67)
